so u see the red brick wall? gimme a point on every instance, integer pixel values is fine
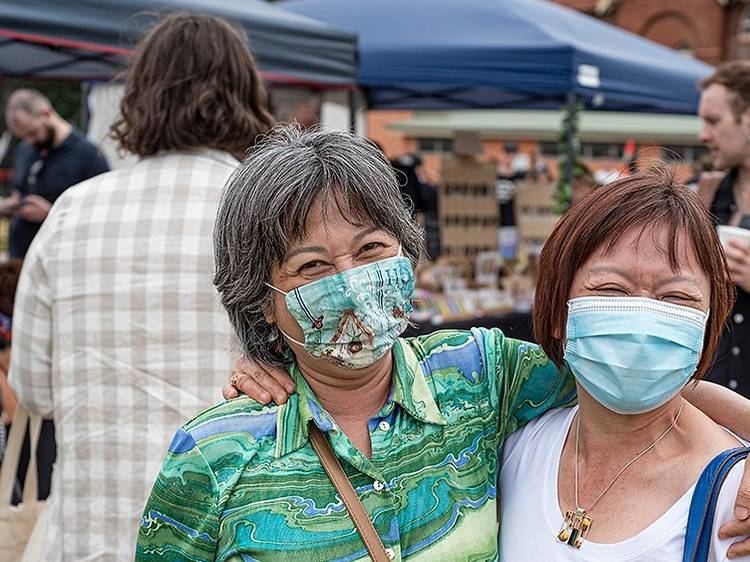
(698, 24)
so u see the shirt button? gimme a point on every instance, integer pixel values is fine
(390, 553)
(384, 426)
(735, 350)
(732, 384)
(738, 318)
(378, 485)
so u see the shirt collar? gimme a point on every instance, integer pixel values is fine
(410, 390)
(212, 153)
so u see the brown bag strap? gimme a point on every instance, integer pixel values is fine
(343, 486)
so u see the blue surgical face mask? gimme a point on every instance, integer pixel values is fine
(353, 318)
(632, 354)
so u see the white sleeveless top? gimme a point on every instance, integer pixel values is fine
(531, 516)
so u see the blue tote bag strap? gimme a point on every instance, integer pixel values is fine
(703, 505)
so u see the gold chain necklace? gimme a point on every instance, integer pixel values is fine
(578, 522)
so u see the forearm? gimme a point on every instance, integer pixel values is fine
(726, 407)
(31, 355)
(7, 400)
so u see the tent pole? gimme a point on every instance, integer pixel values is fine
(85, 115)
(570, 138)
(352, 111)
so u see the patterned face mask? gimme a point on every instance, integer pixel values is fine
(353, 318)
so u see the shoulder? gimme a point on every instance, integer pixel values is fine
(79, 149)
(226, 438)
(90, 189)
(241, 414)
(241, 420)
(448, 349)
(484, 346)
(540, 434)
(79, 145)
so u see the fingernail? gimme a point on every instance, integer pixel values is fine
(741, 513)
(289, 388)
(265, 397)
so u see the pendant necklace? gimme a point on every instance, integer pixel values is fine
(578, 522)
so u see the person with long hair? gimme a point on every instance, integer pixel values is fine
(118, 334)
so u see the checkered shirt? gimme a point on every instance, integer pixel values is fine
(119, 336)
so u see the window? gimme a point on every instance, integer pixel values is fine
(685, 48)
(743, 25)
(437, 146)
(549, 148)
(601, 150)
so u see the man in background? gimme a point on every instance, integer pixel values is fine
(51, 157)
(725, 112)
(118, 332)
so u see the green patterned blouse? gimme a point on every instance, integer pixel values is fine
(241, 481)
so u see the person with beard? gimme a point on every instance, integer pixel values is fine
(725, 112)
(52, 156)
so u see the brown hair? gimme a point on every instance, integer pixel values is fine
(9, 272)
(193, 83)
(646, 200)
(735, 77)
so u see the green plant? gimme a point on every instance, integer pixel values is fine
(568, 140)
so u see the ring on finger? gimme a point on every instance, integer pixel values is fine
(235, 379)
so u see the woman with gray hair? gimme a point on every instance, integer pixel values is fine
(315, 251)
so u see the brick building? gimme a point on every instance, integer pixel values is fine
(712, 30)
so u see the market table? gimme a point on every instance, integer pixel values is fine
(515, 325)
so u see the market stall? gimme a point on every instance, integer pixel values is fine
(90, 40)
(523, 54)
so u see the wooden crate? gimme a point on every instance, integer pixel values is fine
(467, 207)
(535, 215)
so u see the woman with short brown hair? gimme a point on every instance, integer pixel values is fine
(633, 292)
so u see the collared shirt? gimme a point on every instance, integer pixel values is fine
(119, 336)
(732, 365)
(241, 481)
(49, 174)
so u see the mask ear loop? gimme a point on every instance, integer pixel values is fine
(290, 338)
(287, 336)
(275, 289)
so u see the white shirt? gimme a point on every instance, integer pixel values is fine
(531, 517)
(119, 336)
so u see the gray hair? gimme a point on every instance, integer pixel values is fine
(264, 208)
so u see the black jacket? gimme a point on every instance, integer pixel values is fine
(732, 365)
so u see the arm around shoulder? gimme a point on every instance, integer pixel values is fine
(524, 382)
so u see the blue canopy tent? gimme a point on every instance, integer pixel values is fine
(461, 54)
(91, 39)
